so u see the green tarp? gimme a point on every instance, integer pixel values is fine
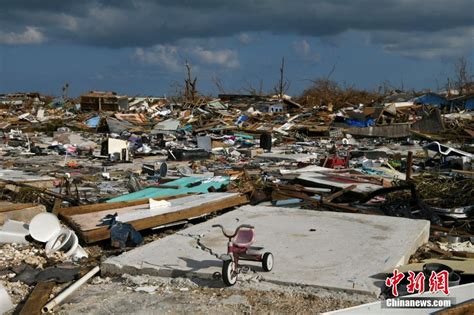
(185, 185)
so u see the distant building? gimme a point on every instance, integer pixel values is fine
(20, 99)
(103, 101)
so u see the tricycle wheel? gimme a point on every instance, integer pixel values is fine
(267, 261)
(229, 272)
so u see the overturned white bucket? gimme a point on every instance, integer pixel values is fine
(46, 228)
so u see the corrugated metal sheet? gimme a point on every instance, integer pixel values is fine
(389, 131)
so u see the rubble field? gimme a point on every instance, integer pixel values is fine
(115, 204)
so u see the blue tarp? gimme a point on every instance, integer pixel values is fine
(360, 124)
(469, 104)
(93, 122)
(431, 99)
(185, 185)
(187, 128)
(241, 119)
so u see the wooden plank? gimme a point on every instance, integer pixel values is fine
(438, 250)
(207, 126)
(464, 308)
(331, 181)
(56, 205)
(24, 215)
(340, 206)
(458, 231)
(285, 195)
(463, 254)
(297, 188)
(38, 298)
(338, 193)
(470, 173)
(41, 190)
(347, 208)
(103, 233)
(165, 186)
(64, 212)
(89, 221)
(5, 207)
(427, 136)
(463, 265)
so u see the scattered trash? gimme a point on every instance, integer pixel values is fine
(25, 273)
(121, 234)
(111, 167)
(146, 289)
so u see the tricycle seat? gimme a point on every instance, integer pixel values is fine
(244, 238)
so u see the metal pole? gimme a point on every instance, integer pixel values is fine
(409, 165)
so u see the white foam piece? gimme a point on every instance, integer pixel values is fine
(154, 204)
(6, 303)
(14, 232)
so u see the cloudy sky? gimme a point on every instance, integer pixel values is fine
(139, 47)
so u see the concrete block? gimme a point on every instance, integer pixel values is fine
(314, 248)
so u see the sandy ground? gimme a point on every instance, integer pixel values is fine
(156, 295)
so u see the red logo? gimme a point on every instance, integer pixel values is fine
(416, 282)
(439, 282)
(394, 281)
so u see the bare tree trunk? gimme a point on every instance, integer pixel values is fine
(190, 89)
(283, 84)
(220, 87)
(282, 73)
(462, 74)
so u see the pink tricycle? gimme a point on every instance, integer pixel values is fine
(238, 248)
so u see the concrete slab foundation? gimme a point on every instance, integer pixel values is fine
(314, 248)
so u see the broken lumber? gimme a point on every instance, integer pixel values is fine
(38, 298)
(19, 211)
(42, 190)
(87, 229)
(65, 212)
(339, 193)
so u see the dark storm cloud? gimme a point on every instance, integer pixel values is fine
(130, 23)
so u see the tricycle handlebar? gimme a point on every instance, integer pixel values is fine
(228, 235)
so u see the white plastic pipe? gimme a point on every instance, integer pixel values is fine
(73, 287)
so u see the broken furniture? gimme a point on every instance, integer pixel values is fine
(116, 149)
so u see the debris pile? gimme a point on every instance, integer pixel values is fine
(106, 169)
